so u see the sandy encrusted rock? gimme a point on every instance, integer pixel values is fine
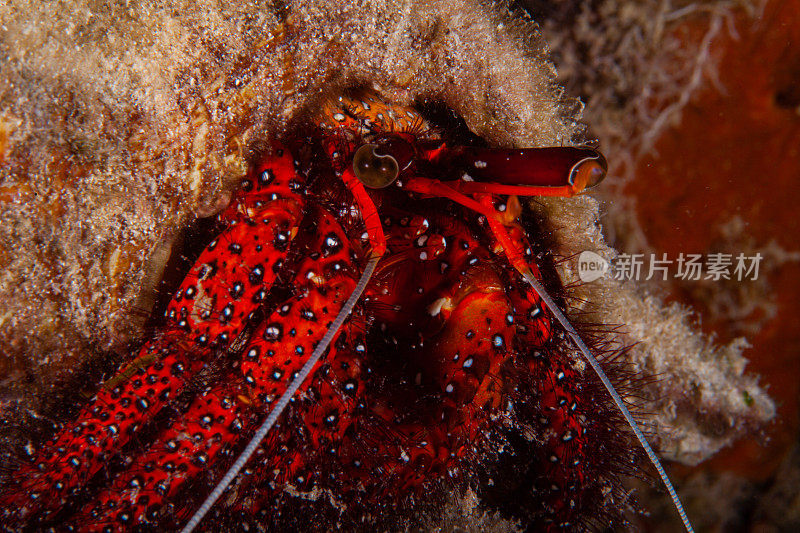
(702, 400)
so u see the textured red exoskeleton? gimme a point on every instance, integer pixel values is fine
(448, 373)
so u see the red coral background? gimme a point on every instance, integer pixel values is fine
(736, 156)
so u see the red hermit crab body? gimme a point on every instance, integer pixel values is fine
(448, 374)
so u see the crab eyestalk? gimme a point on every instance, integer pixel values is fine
(554, 171)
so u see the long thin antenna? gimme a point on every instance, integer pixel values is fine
(284, 400)
(576, 338)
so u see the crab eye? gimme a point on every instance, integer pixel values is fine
(374, 170)
(589, 171)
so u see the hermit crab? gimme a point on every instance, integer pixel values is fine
(376, 291)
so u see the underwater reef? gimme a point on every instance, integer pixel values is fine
(120, 125)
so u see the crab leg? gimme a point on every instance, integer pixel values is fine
(514, 252)
(557, 385)
(187, 447)
(278, 348)
(315, 428)
(227, 283)
(378, 242)
(281, 345)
